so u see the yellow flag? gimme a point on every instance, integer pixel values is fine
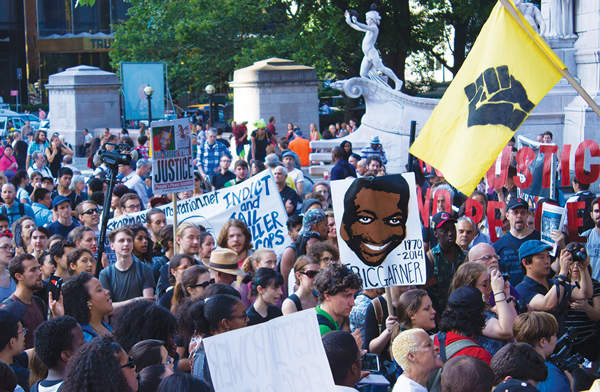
(506, 74)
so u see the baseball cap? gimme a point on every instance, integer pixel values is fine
(466, 297)
(512, 385)
(517, 202)
(59, 199)
(532, 247)
(12, 313)
(298, 132)
(442, 217)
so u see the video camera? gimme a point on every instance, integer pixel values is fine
(561, 358)
(120, 155)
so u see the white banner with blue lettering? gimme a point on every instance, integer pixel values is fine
(255, 201)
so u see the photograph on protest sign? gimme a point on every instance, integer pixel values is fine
(255, 201)
(379, 232)
(553, 218)
(172, 160)
(284, 354)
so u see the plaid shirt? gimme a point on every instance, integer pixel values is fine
(33, 147)
(209, 156)
(144, 151)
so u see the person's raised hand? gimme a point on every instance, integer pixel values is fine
(566, 261)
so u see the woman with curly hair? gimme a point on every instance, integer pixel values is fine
(464, 319)
(325, 253)
(498, 329)
(336, 286)
(101, 366)
(142, 251)
(141, 320)
(89, 303)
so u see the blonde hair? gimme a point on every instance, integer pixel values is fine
(404, 344)
(183, 226)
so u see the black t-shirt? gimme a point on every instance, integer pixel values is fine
(58, 228)
(225, 142)
(218, 180)
(20, 152)
(255, 318)
(288, 193)
(55, 165)
(21, 372)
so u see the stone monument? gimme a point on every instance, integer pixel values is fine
(389, 112)
(276, 87)
(83, 97)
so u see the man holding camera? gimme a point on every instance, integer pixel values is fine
(375, 149)
(551, 295)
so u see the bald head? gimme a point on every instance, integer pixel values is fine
(485, 255)
(337, 153)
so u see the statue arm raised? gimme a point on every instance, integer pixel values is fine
(537, 16)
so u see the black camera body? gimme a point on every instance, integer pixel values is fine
(561, 357)
(578, 255)
(121, 154)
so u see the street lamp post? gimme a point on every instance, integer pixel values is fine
(210, 90)
(149, 91)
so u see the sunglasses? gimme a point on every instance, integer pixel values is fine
(204, 285)
(91, 211)
(243, 315)
(130, 364)
(311, 274)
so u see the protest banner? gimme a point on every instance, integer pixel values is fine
(379, 231)
(172, 160)
(284, 354)
(255, 201)
(553, 218)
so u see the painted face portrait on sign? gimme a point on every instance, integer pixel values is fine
(375, 214)
(162, 138)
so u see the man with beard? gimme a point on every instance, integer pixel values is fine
(443, 260)
(507, 247)
(374, 220)
(241, 173)
(593, 242)
(25, 271)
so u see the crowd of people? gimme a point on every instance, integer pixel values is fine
(488, 316)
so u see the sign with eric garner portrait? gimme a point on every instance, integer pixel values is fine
(378, 228)
(172, 160)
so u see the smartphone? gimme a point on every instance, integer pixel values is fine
(17, 235)
(55, 285)
(370, 362)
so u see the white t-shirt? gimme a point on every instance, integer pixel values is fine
(405, 384)
(297, 176)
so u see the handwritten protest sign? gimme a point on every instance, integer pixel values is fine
(379, 232)
(284, 354)
(172, 160)
(255, 201)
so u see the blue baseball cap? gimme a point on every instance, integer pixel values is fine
(59, 199)
(12, 313)
(532, 247)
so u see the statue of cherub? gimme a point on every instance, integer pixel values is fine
(372, 58)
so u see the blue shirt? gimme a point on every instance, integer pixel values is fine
(43, 215)
(556, 381)
(529, 288)
(507, 247)
(14, 213)
(593, 250)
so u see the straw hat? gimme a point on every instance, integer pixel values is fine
(226, 261)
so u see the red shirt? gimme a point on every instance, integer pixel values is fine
(478, 352)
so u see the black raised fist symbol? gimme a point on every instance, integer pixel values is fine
(497, 98)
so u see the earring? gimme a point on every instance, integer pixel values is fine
(89, 306)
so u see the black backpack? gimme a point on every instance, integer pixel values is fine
(19, 214)
(588, 223)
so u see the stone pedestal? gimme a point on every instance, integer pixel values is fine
(83, 97)
(388, 115)
(276, 87)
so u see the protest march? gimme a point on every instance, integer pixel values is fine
(192, 260)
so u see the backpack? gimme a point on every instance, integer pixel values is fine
(325, 321)
(433, 384)
(19, 214)
(38, 301)
(378, 312)
(588, 223)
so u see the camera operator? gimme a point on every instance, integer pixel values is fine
(583, 314)
(551, 295)
(539, 329)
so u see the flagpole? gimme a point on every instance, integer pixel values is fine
(565, 72)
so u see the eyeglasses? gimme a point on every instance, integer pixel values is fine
(329, 259)
(134, 207)
(489, 258)
(311, 274)
(24, 331)
(7, 248)
(204, 285)
(130, 364)
(91, 211)
(243, 315)
(182, 267)
(169, 361)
